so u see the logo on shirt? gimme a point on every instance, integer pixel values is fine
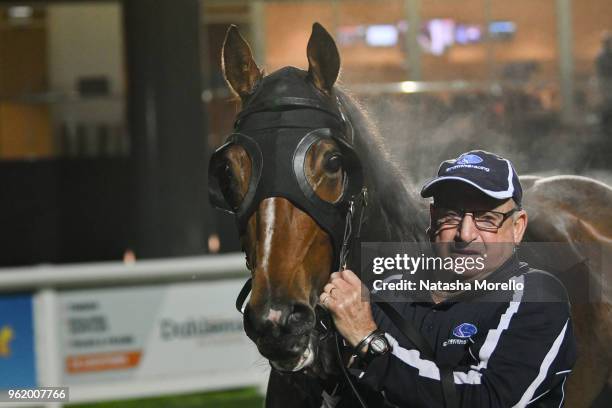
(465, 330)
(454, 342)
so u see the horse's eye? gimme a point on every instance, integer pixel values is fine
(228, 183)
(225, 172)
(333, 163)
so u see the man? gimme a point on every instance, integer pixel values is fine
(505, 350)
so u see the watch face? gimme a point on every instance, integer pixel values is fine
(379, 345)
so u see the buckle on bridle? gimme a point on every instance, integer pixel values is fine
(362, 200)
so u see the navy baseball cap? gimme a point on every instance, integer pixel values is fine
(488, 172)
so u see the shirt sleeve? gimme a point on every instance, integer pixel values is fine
(528, 354)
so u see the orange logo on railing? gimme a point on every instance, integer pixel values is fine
(117, 360)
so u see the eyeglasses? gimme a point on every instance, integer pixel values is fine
(485, 220)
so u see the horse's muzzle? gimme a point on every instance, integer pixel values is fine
(282, 332)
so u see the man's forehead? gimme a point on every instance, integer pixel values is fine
(456, 194)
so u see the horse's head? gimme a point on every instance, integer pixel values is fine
(287, 173)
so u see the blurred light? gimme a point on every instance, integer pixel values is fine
(409, 86)
(473, 33)
(461, 35)
(20, 12)
(467, 34)
(502, 30)
(214, 243)
(442, 34)
(502, 27)
(382, 35)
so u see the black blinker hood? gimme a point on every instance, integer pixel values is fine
(276, 131)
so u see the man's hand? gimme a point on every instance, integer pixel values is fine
(352, 315)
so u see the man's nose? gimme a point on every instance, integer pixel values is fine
(467, 231)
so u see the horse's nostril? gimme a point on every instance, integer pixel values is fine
(279, 320)
(301, 314)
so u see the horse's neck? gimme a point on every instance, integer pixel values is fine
(392, 214)
(394, 221)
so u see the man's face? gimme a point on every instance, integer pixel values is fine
(466, 240)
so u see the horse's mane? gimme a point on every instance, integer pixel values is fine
(388, 190)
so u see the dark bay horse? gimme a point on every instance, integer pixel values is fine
(291, 244)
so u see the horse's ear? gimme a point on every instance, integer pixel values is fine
(323, 58)
(239, 68)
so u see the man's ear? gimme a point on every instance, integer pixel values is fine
(519, 226)
(323, 59)
(239, 69)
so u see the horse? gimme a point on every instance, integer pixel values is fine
(575, 211)
(291, 243)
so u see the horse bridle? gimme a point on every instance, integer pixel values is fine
(256, 130)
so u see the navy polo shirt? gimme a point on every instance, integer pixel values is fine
(511, 349)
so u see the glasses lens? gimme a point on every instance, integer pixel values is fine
(324, 169)
(447, 217)
(488, 220)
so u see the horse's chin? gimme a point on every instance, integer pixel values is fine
(302, 362)
(318, 360)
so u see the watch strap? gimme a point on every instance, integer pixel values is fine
(365, 342)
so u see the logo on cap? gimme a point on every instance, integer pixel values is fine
(468, 159)
(465, 330)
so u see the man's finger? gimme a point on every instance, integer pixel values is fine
(325, 300)
(340, 283)
(350, 277)
(328, 288)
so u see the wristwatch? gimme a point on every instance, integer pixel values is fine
(377, 345)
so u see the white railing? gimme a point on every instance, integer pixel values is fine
(210, 267)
